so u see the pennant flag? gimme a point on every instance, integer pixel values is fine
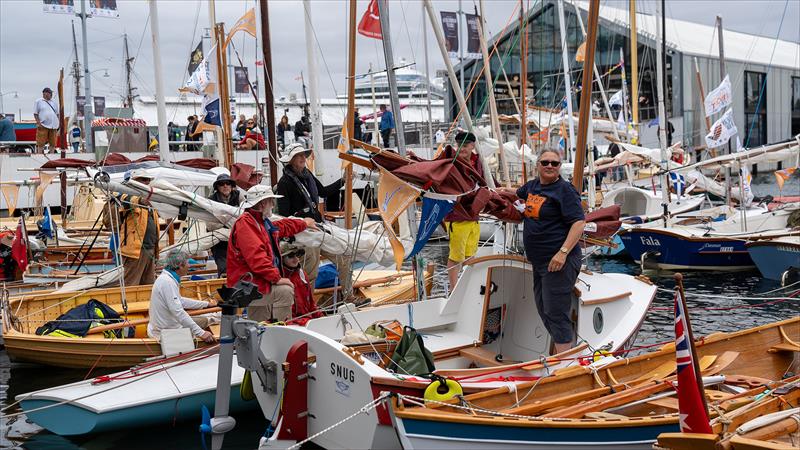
(434, 209)
(394, 196)
(47, 223)
(580, 55)
(678, 183)
(780, 175)
(246, 23)
(11, 195)
(616, 99)
(719, 98)
(344, 143)
(196, 57)
(745, 178)
(45, 179)
(692, 413)
(370, 24)
(722, 130)
(19, 248)
(541, 136)
(260, 63)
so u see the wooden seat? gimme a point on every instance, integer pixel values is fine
(784, 347)
(480, 356)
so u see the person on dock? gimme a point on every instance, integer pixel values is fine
(462, 225)
(6, 129)
(241, 126)
(387, 125)
(224, 192)
(252, 140)
(553, 224)
(75, 135)
(45, 111)
(192, 134)
(167, 305)
(303, 195)
(138, 234)
(254, 250)
(283, 127)
(305, 307)
(358, 133)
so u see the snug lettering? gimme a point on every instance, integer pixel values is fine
(344, 373)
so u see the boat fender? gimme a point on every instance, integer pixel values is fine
(246, 388)
(442, 389)
(600, 354)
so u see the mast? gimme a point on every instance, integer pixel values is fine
(586, 96)
(459, 93)
(567, 76)
(487, 73)
(311, 60)
(219, 150)
(702, 91)
(345, 264)
(129, 95)
(76, 70)
(721, 77)
(62, 134)
(163, 136)
(635, 70)
(662, 115)
(224, 101)
(375, 132)
(460, 41)
(624, 94)
(427, 82)
(87, 77)
(523, 78)
(269, 94)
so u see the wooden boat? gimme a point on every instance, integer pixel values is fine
(768, 423)
(774, 257)
(22, 315)
(625, 404)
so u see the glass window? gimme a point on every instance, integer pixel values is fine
(752, 91)
(795, 106)
(755, 116)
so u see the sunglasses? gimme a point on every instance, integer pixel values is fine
(550, 163)
(295, 254)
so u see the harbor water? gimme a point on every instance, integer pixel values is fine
(718, 302)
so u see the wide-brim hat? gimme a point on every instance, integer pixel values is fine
(294, 150)
(257, 193)
(288, 248)
(224, 178)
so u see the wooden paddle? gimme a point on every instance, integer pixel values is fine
(133, 323)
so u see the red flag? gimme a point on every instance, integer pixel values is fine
(692, 410)
(370, 24)
(19, 249)
(259, 63)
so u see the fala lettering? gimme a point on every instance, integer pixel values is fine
(651, 241)
(344, 373)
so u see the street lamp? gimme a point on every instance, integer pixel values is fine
(16, 95)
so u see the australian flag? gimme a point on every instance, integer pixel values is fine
(692, 410)
(678, 183)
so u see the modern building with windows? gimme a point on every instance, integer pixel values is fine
(764, 72)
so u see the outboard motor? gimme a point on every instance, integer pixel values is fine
(649, 260)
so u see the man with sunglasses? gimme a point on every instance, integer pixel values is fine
(553, 224)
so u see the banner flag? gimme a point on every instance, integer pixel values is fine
(394, 197)
(450, 29)
(473, 37)
(722, 130)
(344, 143)
(678, 183)
(58, 6)
(45, 178)
(719, 98)
(580, 54)
(246, 23)
(47, 223)
(104, 8)
(196, 57)
(99, 106)
(616, 99)
(434, 209)
(692, 412)
(370, 24)
(241, 83)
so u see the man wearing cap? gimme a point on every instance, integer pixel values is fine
(138, 233)
(224, 192)
(303, 195)
(45, 111)
(462, 224)
(253, 248)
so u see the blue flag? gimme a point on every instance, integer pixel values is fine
(652, 123)
(434, 209)
(212, 112)
(678, 183)
(47, 223)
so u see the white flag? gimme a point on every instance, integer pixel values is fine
(616, 99)
(722, 130)
(719, 98)
(621, 121)
(198, 80)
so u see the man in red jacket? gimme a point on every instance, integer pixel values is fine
(304, 308)
(254, 249)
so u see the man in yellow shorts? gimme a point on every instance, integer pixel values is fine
(462, 224)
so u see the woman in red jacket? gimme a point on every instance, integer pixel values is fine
(254, 249)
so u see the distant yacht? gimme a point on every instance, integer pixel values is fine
(411, 84)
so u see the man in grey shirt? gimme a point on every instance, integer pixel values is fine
(45, 111)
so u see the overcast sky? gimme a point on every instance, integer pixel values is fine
(34, 45)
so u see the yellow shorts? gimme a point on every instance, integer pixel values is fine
(463, 239)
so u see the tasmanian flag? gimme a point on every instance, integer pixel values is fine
(692, 410)
(19, 249)
(370, 24)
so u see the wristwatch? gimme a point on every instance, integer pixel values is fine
(564, 250)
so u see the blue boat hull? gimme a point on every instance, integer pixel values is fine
(71, 420)
(773, 259)
(674, 252)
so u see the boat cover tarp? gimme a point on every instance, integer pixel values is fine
(116, 159)
(606, 221)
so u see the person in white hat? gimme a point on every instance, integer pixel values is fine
(254, 249)
(138, 233)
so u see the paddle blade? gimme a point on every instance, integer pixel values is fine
(205, 424)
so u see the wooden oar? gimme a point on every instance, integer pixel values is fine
(365, 283)
(133, 323)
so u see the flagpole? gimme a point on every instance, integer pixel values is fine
(269, 93)
(224, 101)
(161, 109)
(690, 338)
(427, 80)
(662, 114)
(62, 176)
(634, 69)
(523, 87)
(584, 112)
(722, 77)
(219, 152)
(311, 60)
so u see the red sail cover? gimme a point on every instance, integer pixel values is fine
(606, 221)
(692, 411)
(370, 24)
